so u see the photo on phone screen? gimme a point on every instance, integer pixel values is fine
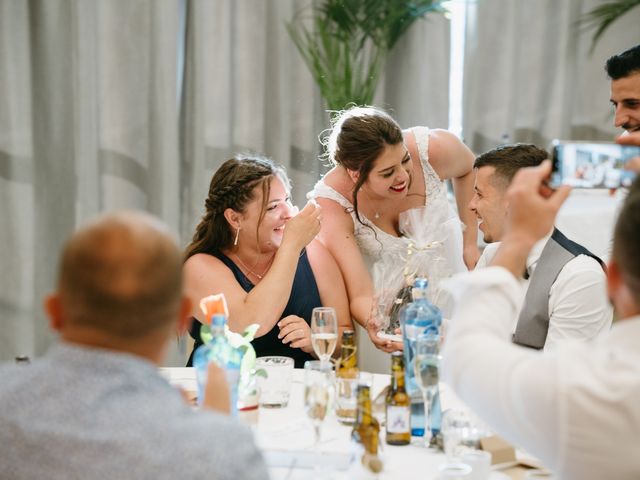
(592, 164)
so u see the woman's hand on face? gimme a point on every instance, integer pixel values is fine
(295, 332)
(303, 228)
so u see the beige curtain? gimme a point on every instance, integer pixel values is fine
(529, 75)
(245, 89)
(134, 103)
(88, 123)
(416, 80)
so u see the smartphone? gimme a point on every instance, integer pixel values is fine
(591, 164)
(392, 337)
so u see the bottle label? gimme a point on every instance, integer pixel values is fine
(398, 419)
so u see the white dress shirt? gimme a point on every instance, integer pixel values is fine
(576, 408)
(578, 303)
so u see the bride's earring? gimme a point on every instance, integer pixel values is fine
(235, 240)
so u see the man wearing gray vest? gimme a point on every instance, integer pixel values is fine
(565, 283)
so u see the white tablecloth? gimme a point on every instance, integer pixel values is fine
(283, 430)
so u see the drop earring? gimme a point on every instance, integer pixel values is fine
(235, 240)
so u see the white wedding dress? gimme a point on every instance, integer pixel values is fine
(436, 226)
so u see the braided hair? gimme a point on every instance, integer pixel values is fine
(233, 186)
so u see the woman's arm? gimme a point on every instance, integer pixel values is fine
(452, 159)
(331, 286)
(337, 235)
(206, 275)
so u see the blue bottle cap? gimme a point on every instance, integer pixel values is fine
(218, 320)
(421, 283)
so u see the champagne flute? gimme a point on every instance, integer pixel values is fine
(317, 386)
(324, 332)
(426, 361)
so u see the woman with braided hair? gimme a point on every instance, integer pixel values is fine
(251, 246)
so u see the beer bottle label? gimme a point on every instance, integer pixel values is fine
(398, 419)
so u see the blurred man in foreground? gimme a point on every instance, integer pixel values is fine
(95, 405)
(575, 408)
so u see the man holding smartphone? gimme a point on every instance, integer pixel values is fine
(576, 408)
(564, 294)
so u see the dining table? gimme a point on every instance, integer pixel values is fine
(285, 436)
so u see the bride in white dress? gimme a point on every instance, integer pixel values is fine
(379, 172)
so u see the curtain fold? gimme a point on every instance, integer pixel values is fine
(529, 76)
(88, 123)
(134, 104)
(246, 89)
(416, 78)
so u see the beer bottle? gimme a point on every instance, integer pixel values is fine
(346, 380)
(348, 366)
(366, 429)
(398, 405)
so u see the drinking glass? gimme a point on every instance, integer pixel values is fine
(324, 332)
(426, 363)
(317, 390)
(275, 388)
(458, 433)
(480, 463)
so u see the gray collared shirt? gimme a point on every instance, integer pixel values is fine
(94, 414)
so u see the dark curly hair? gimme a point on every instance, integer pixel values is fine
(358, 136)
(232, 186)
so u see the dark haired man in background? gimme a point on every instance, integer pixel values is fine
(565, 283)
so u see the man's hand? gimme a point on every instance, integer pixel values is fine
(631, 139)
(531, 214)
(216, 393)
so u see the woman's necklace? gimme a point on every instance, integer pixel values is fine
(376, 213)
(257, 275)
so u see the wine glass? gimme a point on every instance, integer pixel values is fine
(426, 363)
(317, 387)
(324, 332)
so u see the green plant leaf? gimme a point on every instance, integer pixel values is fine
(344, 43)
(205, 333)
(260, 372)
(602, 16)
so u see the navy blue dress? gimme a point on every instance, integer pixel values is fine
(303, 299)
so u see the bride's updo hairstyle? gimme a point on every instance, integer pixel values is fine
(233, 186)
(357, 138)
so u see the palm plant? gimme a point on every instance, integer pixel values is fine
(602, 16)
(347, 43)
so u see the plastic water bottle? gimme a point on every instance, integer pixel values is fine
(418, 317)
(218, 350)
